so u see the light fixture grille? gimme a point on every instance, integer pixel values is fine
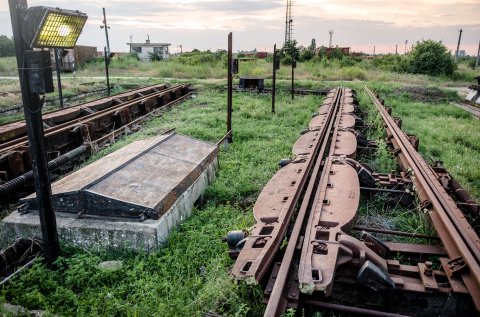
(59, 30)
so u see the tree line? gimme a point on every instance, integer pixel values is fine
(7, 48)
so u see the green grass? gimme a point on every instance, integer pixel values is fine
(189, 275)
(169, 282)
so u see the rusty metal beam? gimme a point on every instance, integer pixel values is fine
(459, 239)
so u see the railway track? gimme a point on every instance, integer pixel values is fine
(312, 202)
(70, 132)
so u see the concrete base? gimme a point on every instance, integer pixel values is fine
(100, 234)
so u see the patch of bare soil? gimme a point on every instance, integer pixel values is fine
(425, 94)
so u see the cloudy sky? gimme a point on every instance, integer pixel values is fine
(204, 24)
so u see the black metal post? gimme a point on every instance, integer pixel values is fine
(105, 54)
(458, 46)
(56, 51)
(274, 80)
(478, 56)
(106, 29)
(230, 88)
(33, 116)
(293, 72)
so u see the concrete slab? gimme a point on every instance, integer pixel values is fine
(168, 191)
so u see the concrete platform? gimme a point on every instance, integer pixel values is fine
(131, 198)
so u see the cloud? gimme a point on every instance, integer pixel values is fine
(204, 24)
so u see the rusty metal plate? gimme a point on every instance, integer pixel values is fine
(144, 177)
(12, 130)
(345, 144)
(62, 115)
(332, 214)
(305, 144)
(272, 211)
(325, 109)
(346, 121)
(347, 108)
(318, 121)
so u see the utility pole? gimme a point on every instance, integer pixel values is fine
(406, 43)
(373, 50)
(274, 79)
(458, 45)
(106, 50)
(478, 56)
(230, 88)
(107, 61)
(106, 27)
(331, 34)
(396, 49)
(131, 41)
(56, 52)
(294, 64)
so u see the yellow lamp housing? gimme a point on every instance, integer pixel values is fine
(46, 27)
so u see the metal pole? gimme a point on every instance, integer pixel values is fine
(106, 69)
(458, 46)
(478, 56)
(274, 80)
(396, 49)
(230, 88)
(293, 73)
(106, 30)
(33, 116)
(56, 51)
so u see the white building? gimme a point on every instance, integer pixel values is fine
(145, 50)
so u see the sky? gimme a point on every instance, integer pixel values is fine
(205, 24)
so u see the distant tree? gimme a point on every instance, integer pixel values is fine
(290, 52)
(322, 51)
(7, 48)
(306, 55)
(431, 58)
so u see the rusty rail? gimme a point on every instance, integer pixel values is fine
(459, 239)
(97, 127)
(323, 265)
(278, 200)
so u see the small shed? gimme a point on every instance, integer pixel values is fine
(147, 51)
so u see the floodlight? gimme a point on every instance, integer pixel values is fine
(52, 27)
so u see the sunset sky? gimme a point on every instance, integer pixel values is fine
(202, 24)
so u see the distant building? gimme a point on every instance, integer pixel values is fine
(71, 58)
(329, 50)
(461, 53)
(145, 50)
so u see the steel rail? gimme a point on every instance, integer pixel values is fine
(254, 261)
(459, 239)
(8, 146)
(349, 309)
(106, 99)
(277, 302)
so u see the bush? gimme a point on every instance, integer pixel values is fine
(392, 63)
(306, 55)
(430, 58)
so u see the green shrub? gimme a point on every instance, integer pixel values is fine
(432, 58)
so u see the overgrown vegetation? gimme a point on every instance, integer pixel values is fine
(189, 275)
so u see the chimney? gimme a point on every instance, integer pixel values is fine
(148, 39)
